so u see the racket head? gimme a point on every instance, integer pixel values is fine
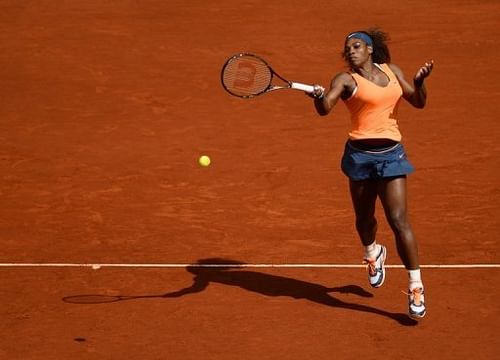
(246, 75)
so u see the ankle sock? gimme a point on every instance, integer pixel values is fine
(372, 250)
(415, 279)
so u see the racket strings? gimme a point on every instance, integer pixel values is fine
(246, 76)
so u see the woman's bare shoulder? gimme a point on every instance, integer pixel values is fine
(342, 78)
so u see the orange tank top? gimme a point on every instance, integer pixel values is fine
(374, 108)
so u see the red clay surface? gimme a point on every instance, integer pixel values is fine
(106, 106)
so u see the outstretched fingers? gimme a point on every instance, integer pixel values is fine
(423, 72)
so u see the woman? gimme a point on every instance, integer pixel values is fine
(374, 158)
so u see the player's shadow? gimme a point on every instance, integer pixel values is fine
(233, 273)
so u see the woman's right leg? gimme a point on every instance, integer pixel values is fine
(364, 196)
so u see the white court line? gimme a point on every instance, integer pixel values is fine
(340, 266)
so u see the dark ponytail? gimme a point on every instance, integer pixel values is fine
(381, 52)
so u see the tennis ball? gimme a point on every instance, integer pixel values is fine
(204, 160)
(96, 267)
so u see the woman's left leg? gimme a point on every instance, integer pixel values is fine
(392, 193)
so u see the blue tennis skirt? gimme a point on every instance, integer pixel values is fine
(360, 164)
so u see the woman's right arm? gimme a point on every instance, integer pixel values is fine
(340, 83)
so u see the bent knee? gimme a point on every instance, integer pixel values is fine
(398, 220)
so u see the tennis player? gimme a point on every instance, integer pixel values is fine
(374, 158)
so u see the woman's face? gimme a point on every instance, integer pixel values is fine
(356, 52)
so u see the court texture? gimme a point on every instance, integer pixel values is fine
(117, 244)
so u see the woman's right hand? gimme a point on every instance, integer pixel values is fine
(318, 93)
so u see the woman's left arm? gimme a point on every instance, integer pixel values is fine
(416, 94)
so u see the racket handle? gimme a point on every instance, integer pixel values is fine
(304, 87)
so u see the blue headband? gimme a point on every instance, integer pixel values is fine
(362, 36)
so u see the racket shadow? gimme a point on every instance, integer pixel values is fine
(233, 273)
(103, 299)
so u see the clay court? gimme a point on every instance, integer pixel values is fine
(106, 108)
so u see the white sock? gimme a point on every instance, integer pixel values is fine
(415, 279)
(372, 250)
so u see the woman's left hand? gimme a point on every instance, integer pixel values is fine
(423, 72)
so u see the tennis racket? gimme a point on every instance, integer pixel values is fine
(247, 75)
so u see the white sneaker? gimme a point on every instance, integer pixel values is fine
(376, 269)
(416, 303)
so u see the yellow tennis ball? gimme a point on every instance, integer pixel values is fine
(204, 160)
